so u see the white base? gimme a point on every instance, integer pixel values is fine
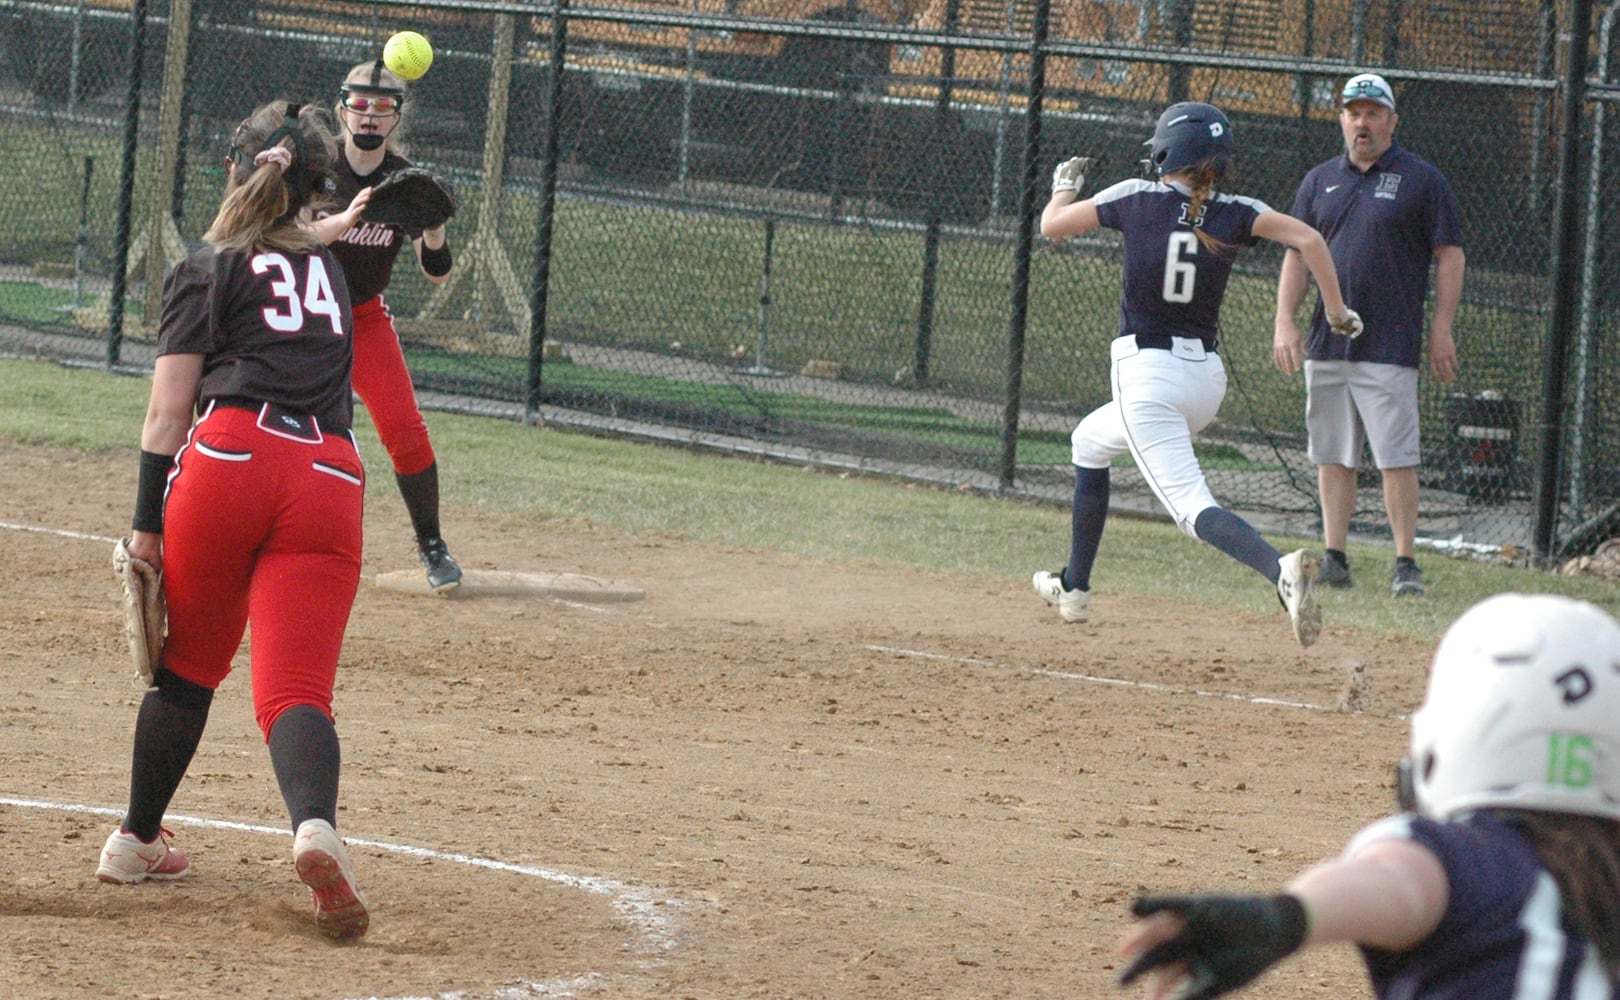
(498, 583)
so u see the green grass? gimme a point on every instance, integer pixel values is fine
(510, 471)
(639, 275)
(781, 411)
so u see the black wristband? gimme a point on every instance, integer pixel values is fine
(151, 491)
(436, 262)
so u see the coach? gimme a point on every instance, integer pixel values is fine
(1385, 213)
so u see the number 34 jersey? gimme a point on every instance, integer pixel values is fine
(273, 325)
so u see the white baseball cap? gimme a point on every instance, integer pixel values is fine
(1368, 87)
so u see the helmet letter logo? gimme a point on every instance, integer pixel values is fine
(1216, 130)
(1576, 684)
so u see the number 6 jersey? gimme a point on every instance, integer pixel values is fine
(1174, 284)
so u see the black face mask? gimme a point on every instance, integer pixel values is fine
(367, 141)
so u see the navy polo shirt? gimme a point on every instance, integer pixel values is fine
(1382, 227)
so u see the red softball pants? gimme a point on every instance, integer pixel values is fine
(383, 383)
(262, 529)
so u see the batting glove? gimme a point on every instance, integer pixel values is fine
(1226, 943)
(1070, 175)
(1349, 325)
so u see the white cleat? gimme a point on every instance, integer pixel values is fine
(1296, 588)
(126, 859)
(1073, 605)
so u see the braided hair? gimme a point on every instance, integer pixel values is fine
(1201, 178)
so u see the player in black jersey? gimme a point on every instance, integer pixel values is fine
(250, 498)
(369, 112)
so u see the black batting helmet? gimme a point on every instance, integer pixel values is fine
(1189, 133)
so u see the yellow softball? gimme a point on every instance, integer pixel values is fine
(408, 55)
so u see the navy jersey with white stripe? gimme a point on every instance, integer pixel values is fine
(1174, 284)
(1501, 937)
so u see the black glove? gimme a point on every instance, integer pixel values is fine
(1226, 943)
(411, 198)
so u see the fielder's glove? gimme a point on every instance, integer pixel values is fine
(145, 613)
(411, 198)
(1349, 325)
(1070, 175)
(1226, 943)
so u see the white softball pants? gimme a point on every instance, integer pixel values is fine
(1161, 399)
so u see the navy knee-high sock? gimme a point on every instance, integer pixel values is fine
(1090, 514)
(305, 754)
(1233, 535)
(167, 730)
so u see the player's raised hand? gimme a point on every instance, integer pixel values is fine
(351, 216)
(1070, 175)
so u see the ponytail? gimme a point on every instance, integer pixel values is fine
(282, 156)
(1201, 178)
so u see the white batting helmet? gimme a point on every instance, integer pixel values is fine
(1522, 711)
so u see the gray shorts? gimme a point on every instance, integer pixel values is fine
(1351, 402)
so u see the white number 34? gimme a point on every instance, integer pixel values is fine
(317, 298)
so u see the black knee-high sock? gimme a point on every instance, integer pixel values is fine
(1089, 514)
(167, 730)
(304, 752)
(421, 493)
(1234, 536)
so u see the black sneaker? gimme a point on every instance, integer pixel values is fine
(443, 575)
(1406, 580)
(1335, 571)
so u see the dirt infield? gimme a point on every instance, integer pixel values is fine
(773, 777)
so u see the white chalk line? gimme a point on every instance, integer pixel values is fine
(59, 532)
(641, 907)
(1115, 681)
(638, 906)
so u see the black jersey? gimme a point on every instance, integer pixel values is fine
(1174, 284)
(367, 251)
(274, 326)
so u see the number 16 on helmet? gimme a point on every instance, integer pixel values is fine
(1522, 712)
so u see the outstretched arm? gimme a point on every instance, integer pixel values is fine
(329, 227)
(1390, 895)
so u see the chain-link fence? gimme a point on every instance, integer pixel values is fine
(805, 227)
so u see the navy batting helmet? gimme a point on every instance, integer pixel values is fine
(1189, 133)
